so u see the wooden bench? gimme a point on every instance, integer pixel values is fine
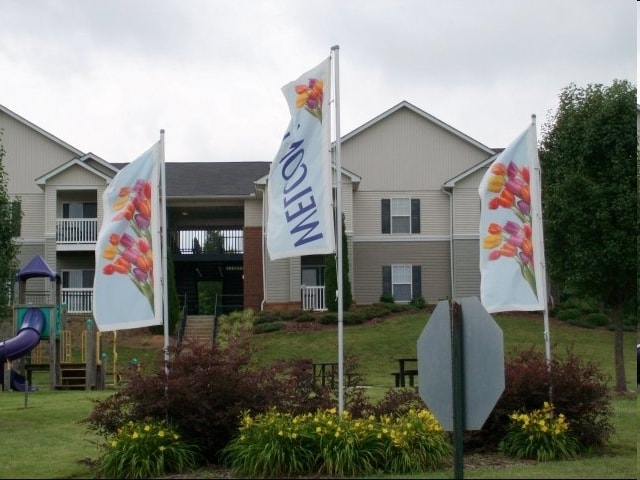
(407, 373)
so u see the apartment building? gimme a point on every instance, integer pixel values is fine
(409, 197)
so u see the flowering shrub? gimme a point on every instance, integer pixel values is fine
(539, 435)
(144, 450)
(275, 444)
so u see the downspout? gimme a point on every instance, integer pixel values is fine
(449, 191)
(264, 269)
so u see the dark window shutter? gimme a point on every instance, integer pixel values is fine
(386, 215)
(386, 280)
(415, 215)
(65, 210)
(416, 280)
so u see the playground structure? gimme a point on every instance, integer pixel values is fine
(43, 323)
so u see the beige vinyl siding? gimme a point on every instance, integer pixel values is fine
(33, 217)
(76, 176)
(370, 257)
(466, 204)
(277, 288)
(405, 152)
(28, 251)
(252, 213)
(434, 211)
(28, 155)
(466, 212)
(347, 204)
(466, 268)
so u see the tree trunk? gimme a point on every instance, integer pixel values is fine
(618, 342)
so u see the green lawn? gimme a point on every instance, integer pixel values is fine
(45, 440)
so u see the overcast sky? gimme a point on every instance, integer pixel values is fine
(106, 76)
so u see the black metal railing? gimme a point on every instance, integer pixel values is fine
(207, 241)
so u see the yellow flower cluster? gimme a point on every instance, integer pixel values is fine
(412, 427)
(541, 421)
(403, 431)
(139, 432)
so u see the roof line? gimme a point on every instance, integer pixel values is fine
(41, 131)
(422, 113)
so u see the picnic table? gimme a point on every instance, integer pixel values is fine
(326, 372)
(404, 372)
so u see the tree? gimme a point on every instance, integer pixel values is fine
(589, 158)
(331, 277)
(10, 217)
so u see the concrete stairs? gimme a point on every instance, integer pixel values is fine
(199, 328)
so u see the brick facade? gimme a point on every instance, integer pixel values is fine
(253, 288)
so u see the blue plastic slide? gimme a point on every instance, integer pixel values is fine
(26, 339)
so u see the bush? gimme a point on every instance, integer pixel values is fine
(418, 302)
(597, 319)
(146, 450)
(567, 314)
(579, 391)
(374, 311)
(267, 316)
(276, 444)
(353, 318)
(329, 318)
(268, 327)
(206, 390)
(303, 317)
(585, 305)
(387, 298)
(539, 435)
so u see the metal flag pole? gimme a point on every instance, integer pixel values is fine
(338, 222)
(539, 249)
(163, 272)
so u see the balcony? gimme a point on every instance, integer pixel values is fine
(212, 241)
(76, 233)
(313, 298)
(77, 300)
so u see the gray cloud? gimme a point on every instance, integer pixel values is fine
(106, 76)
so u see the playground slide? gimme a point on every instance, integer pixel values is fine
(25, 340)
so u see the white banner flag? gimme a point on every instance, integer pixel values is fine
(511, 246)
(300, 215)
(127, 290)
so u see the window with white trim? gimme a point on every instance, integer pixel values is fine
(401, 283)
(400, 215)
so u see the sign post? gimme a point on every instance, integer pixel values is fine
(461, 368)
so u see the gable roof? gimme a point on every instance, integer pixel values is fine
(355, 179)
(83, 162)
(485, 163)
(426, 116)
(211, 179)
(46, 134)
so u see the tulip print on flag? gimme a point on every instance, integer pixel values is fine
(300, 215)
(511, 249)
(127, 291)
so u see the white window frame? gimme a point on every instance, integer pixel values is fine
(400, 210)
(401, 275)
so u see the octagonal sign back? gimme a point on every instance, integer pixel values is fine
(483, 363)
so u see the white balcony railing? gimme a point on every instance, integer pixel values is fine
(77, 230)
(78, 300)
(313, 298)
